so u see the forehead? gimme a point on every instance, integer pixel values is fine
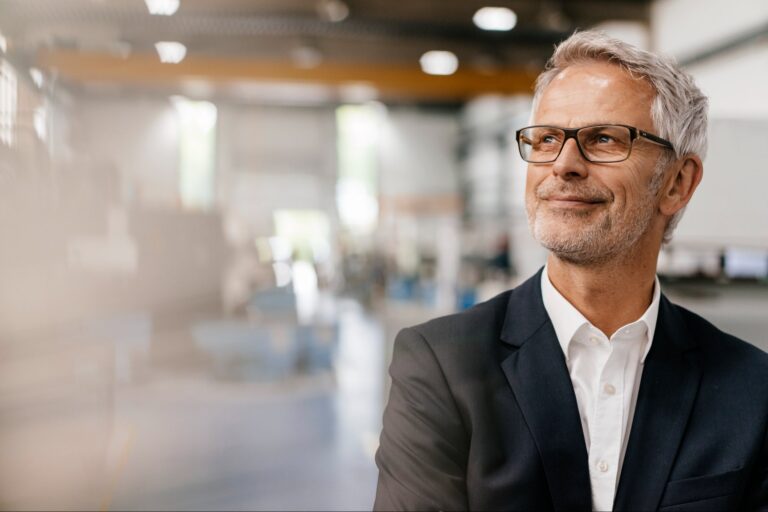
(593, 93)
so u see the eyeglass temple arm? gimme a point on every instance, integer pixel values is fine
(657, 140)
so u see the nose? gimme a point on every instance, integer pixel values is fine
(570, 164)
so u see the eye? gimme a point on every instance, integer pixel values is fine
(548, 139)
(604, 138)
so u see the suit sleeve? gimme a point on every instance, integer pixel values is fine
(423, 450)
(757, 490)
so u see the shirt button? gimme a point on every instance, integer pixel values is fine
(594, 340)
(602, 466)
(609, 389)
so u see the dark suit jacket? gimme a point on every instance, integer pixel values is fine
(482, 415)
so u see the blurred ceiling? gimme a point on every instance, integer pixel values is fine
(353, 47)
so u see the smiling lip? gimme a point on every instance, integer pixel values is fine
(572, 201)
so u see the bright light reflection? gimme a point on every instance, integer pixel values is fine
(202, 114)
(438, 62)
(495, 18)
(281, 248)
(307, 232)
(358, 208)
(282, 273)
(8, 103)
(40, 122)
(37, 77)
(305, 288)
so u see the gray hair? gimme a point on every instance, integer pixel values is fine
(678, 111)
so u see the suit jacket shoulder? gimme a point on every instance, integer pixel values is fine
(465, 326)
(462, 338)
(452, 429)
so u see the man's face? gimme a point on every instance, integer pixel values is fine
(586, 212)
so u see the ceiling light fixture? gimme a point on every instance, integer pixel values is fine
(162, 7)
(439, 62)
(171, 52)
(333, 10)
(495, 18)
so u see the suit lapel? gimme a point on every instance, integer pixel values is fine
(667, 393)
(539, 378)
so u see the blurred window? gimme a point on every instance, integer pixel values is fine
(356, 190)
(8, 102)
(197, 152)
(746, 263)
(307, 232)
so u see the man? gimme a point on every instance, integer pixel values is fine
(585, 388)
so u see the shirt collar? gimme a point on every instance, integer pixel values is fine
(567, 320)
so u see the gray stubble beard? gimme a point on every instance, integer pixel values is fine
(599, 241)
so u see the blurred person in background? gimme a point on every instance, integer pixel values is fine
(585, 388)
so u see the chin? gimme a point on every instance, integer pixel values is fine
(576, 242)
(568, 224)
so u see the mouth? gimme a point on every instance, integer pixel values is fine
(573, 201)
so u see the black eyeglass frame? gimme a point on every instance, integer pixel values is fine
(571, 133)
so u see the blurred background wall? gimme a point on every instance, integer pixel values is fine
(215, 215)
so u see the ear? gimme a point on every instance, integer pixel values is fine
(684, 176)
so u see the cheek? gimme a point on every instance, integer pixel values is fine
(532, 181)
(633, 189)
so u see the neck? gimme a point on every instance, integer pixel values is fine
(609, 294)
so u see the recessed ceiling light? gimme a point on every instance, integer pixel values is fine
(333, 10)
(495, 18)
(439, 62)
(162, 7)
(171, 52)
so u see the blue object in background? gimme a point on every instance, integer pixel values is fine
(245, 351)
(401, 288)
(466, 298)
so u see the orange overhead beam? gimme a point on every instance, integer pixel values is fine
(388, 78)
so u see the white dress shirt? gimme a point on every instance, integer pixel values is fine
(606, 376)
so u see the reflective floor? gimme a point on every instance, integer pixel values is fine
(307, 442)
(175, 431)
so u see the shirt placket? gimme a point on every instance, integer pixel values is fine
(606, 427)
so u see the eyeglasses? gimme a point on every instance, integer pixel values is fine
(605, 143)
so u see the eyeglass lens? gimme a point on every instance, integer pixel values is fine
(607, 143)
